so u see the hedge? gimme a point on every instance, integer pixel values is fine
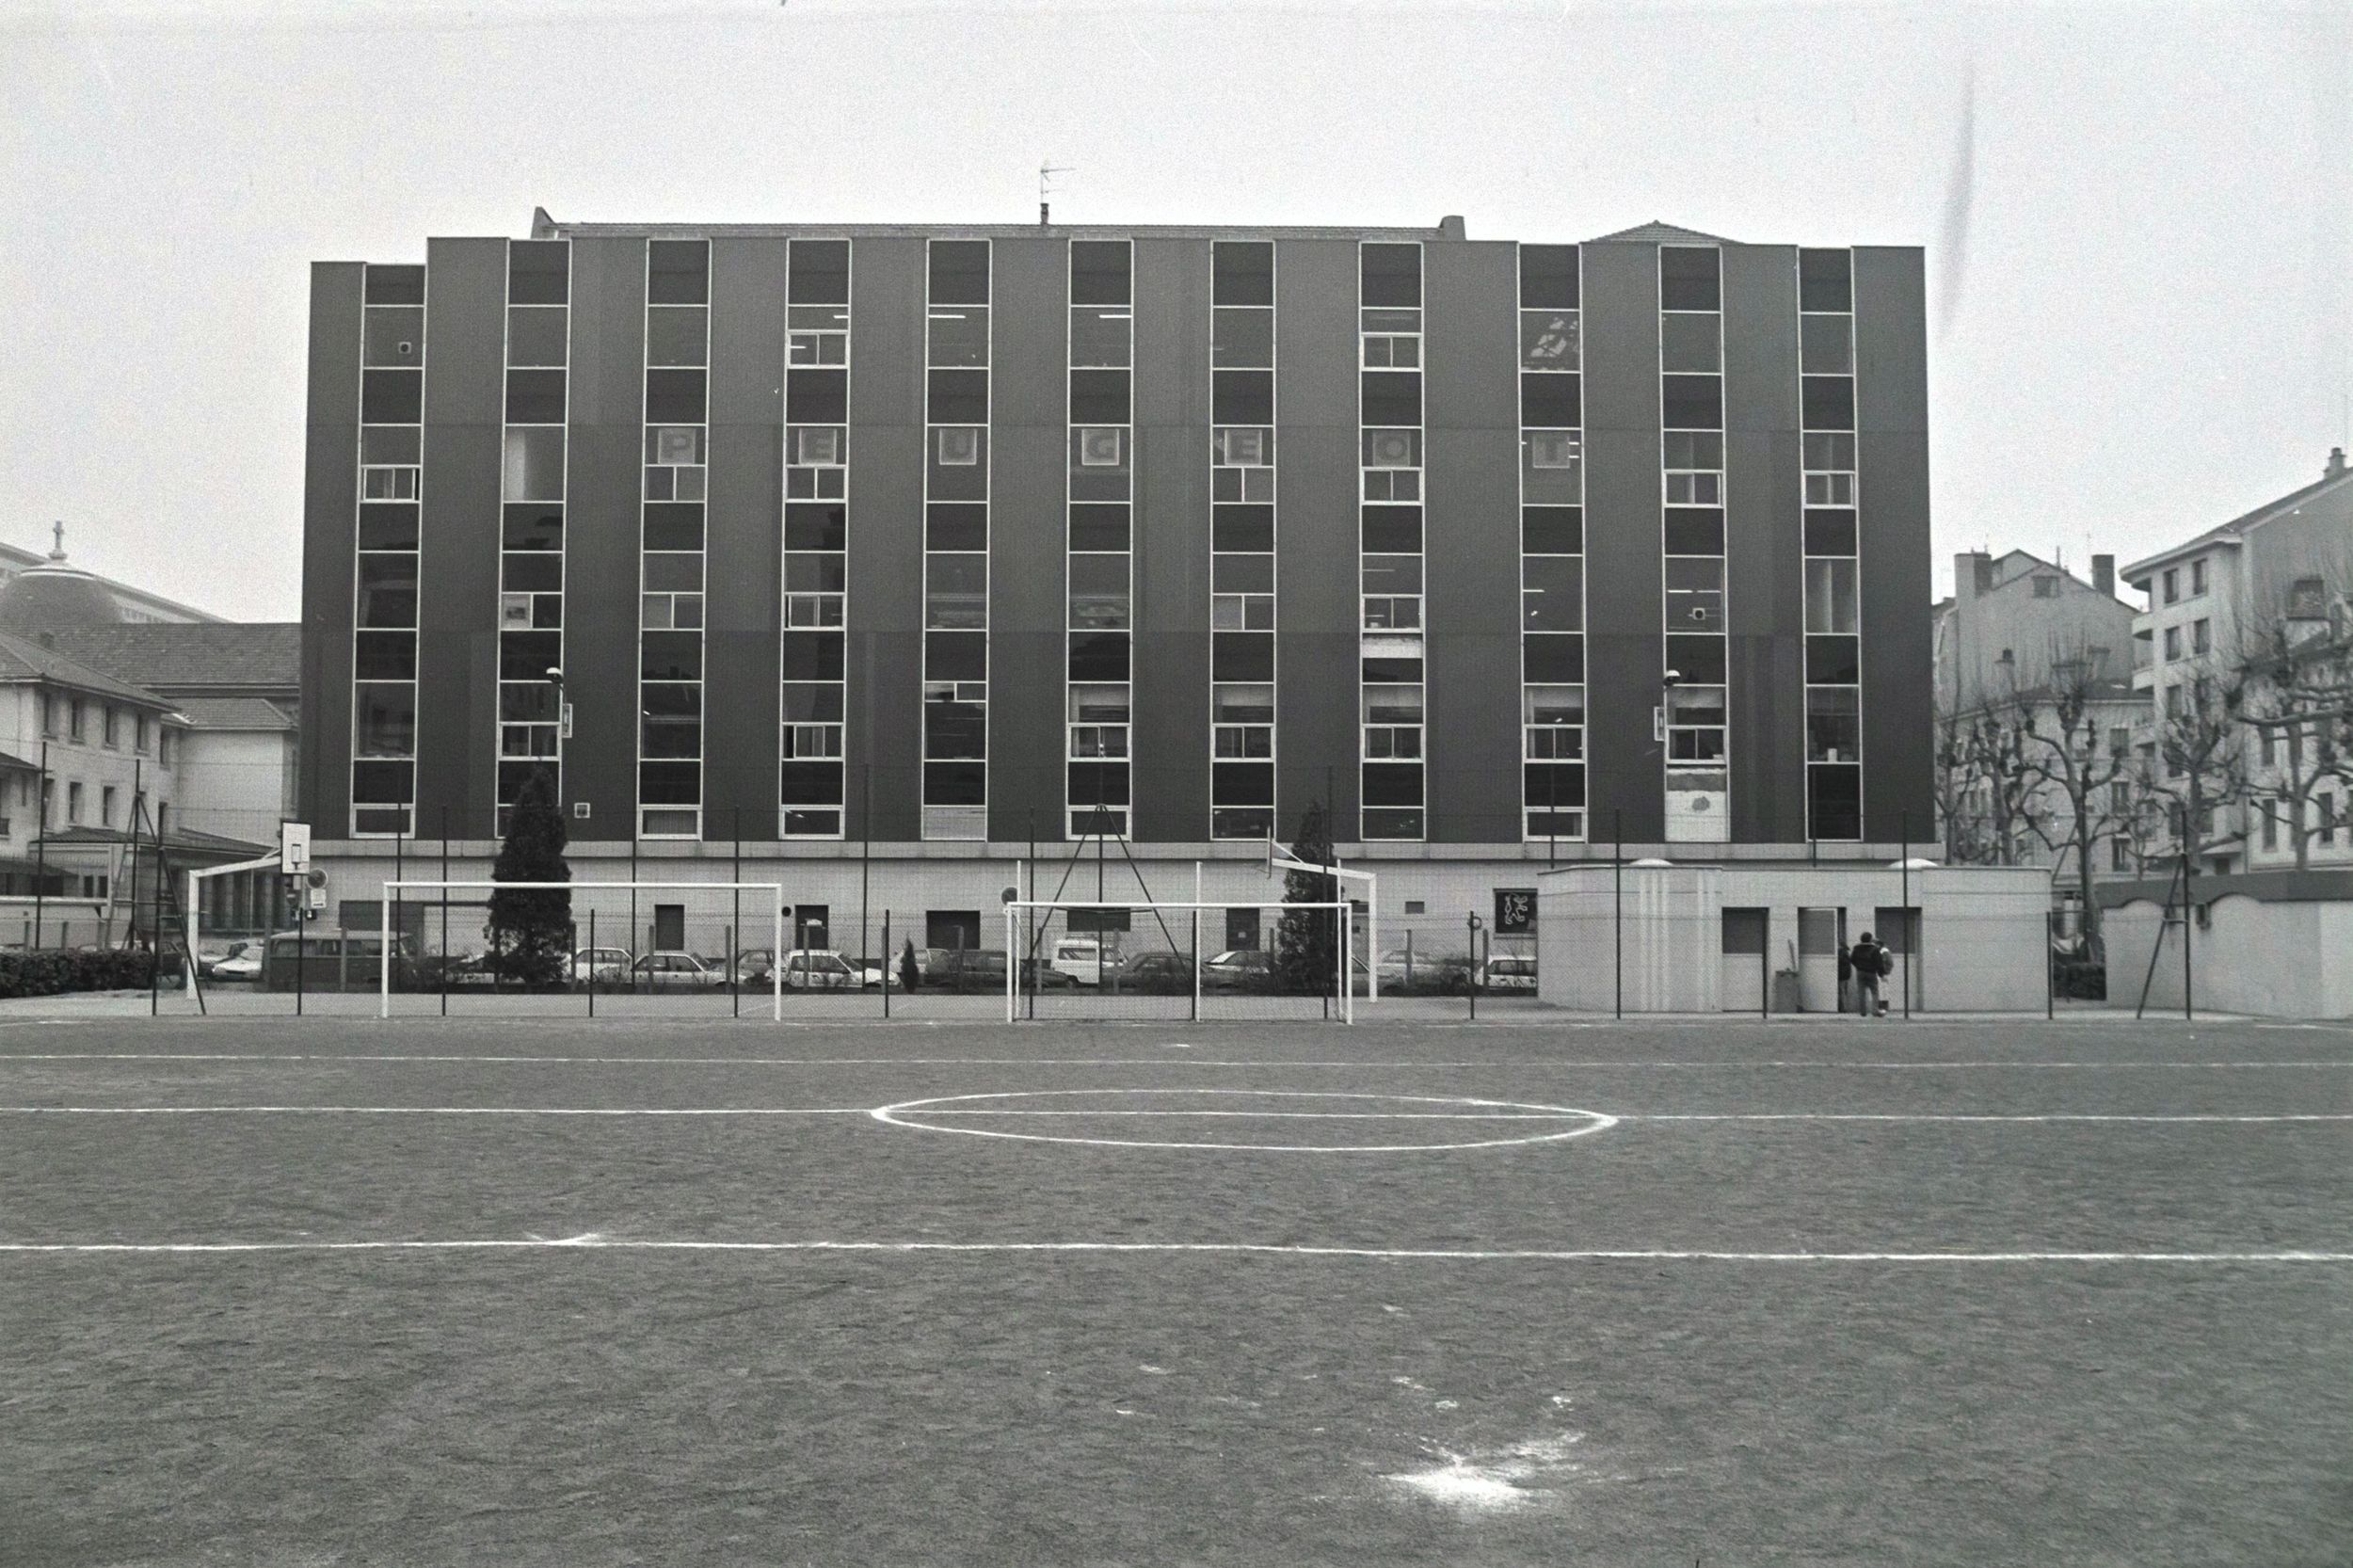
(53, 971)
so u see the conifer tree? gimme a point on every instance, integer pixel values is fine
(531, 929)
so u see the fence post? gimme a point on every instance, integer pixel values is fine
(2189, 909)
(592, 962)
(735, 996)
(1617, 906)
(1475, 974)
(1911, 927)
(889, 958)
(2050, 967)
(444, 917)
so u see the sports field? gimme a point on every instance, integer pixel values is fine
(332, 1290)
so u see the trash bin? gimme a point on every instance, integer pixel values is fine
(1785, 991)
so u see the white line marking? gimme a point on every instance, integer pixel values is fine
(1499, 1064)
(592, 1242)
(909, 1113)
(935, 1109)
(424, 1111)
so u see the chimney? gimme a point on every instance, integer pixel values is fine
(2104, 574)
(1450, 227)
(1973, 575)
(2336, 464)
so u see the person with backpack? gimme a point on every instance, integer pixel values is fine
(1871, 963)
(1845, 974)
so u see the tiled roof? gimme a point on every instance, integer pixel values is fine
(2326, 485)
(181, 658)
(234, 712)
(187, 838)
(1657, 233)
(24, 659)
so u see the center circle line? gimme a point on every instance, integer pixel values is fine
(938, 1114)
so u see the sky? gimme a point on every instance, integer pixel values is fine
(2138, 219)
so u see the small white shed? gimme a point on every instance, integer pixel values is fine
(1659, 937)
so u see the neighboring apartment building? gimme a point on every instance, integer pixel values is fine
(2035, 717)
(194, 718)
(946, 540)
(2276, 577)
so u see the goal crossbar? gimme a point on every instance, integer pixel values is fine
(776, 912)
(1341, 909)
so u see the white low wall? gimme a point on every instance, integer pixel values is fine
(2277, 960)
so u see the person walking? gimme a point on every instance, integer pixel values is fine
(1870, 962)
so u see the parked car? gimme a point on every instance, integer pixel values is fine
(819, 969)
(753, 965)
(1404, 972)
(238, 961)
(1081, 959)
(605, 966)
(1038, 975)
(1509, 971)
(1239, 969)
(675, 971)
(1154, 974)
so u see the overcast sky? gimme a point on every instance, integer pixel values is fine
(2139, 219)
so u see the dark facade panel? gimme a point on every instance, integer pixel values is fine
(886, 609)
(1623, 585)
(603, 479)
(1315, 614)
(1170, 745)
(1028, 429)
(1471, 541)
(1764, 609)
(743, 588)
(1892, 487)
(330, 487)
(465, 336)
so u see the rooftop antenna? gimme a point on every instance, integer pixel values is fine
(1045, 172)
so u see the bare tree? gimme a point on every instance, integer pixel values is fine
(2300, 704)
(2000, 785)
(2199, 758)
(1956, 788)
(2071, 770)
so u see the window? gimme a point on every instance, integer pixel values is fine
(2325, 804)
(74, 802)
(2271, 823)
(139, 731)
(2172, 642)
(2046, 587)
(74, 722)
(111, 726)
(2197, 576)
(2173, 586)
(2202, 636)
(2120, 855)
(2308, 598)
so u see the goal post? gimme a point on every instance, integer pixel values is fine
(1154, 949)
(775, 915)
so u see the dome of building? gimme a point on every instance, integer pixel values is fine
(56, 596)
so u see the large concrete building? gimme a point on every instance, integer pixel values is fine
(928, 543)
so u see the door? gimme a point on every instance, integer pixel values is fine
(1242, 931)
(810, 925)
(1818, 959)
(1898, 930)
(1744, 960)
(669, 927)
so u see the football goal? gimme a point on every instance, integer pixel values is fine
(720, 939)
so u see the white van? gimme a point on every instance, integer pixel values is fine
(1080, 958)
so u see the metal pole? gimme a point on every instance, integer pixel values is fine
(735, 993)
(632, 912)
(195, 934)
(888, 957)
(155, 930)
(1029, 915)
(1617, 904)
(2189, 906)
(1013, 968)
(865, 867)
(1474, 963)
(1912, 936)
(138, 788)
(775, 972)
(40, 845)
(302, 939)
(1765, 971)
(444, 913)
(592, 962)
(400, 875)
